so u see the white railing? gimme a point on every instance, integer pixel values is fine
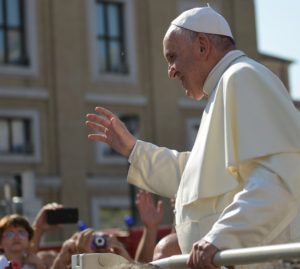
(222, 258)
(239, 256)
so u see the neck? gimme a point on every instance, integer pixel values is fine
(218, 55)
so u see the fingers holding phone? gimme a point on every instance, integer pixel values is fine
(40, 223)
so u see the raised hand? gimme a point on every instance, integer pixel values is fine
(40, 219)
(150, 214)
(79, 242)
(110, 130)
(40, 225)
(84, 240)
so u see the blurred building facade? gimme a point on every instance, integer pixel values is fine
(60, 59)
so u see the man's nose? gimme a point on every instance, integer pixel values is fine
(171, 72)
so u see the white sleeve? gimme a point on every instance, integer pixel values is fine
(156, 169)
(257, 215)
(132, 154)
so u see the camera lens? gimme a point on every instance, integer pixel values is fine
(99, 241)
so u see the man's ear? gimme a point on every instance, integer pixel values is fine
(203, 43)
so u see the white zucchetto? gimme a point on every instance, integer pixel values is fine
(203, 20)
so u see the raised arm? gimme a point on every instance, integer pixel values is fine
(151, 215)
(40, 225)
(110, 130)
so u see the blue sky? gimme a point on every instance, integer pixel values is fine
(278, 28)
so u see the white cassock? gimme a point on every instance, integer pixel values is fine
(240, 184)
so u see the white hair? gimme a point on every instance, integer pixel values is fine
(222, 43)
(187, 34)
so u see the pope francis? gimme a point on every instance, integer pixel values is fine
(239, 186)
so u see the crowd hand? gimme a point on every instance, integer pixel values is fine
(40, 222)
(79, 242)
(63, 259)
(40, 225)
(116, 247)
(110, 130)
(151, 214)
(32, 259)
(202, 255)
(84, 240)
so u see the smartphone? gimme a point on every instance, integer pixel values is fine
(62, 215)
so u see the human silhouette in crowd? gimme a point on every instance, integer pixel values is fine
(29, 256)
(16, 234)
(246, 157)
(31, 246)
(82, 242)
(79, 242)
(40, 225)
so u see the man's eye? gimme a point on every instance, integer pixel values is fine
(171, 60)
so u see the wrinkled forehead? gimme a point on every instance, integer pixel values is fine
(171, 32)
(171, 38)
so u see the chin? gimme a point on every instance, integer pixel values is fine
(195, 94)
(188, 94)
(192, 96)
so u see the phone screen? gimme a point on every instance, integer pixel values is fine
(62, 215)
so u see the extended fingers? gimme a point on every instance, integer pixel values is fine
(145, 202)
(140, 197)
(97, 127)
(95, 122)
(114, 245)
(194, 259)
(84, 240)
(105, 112)
(52, 206)
(160, 207)
(149, 198)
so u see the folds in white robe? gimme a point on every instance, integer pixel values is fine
(249, 125)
